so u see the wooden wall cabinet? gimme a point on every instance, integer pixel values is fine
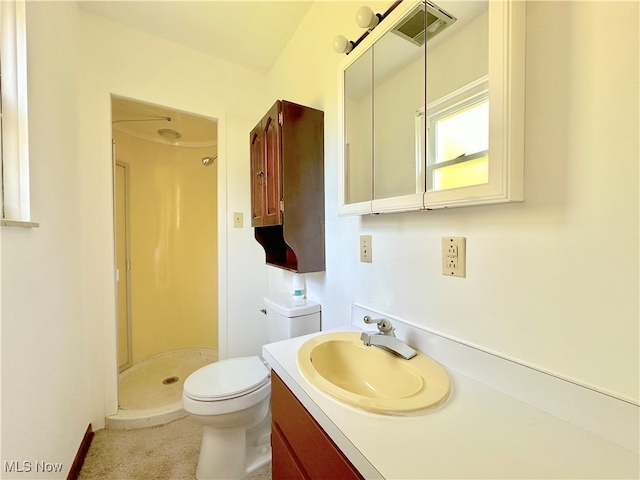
(300, 447)
(287, 186)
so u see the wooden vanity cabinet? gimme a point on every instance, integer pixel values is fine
(287, 186)
(300, 447)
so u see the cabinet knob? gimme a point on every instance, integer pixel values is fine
(260, 173)
(263, 310)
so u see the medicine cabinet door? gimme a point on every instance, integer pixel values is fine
(398, 105)
(357, 83)
(475, 106)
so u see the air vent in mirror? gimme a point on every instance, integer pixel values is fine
(414, 29)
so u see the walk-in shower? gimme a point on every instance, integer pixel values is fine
(166, 257)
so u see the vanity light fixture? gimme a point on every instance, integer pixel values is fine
(365, 18)
(342, 44)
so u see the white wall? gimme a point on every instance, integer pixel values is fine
(552, 282)
(545, 280)
(120, 60)
(59, 369)
(45, 370)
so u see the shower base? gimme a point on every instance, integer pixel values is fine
(150, 392)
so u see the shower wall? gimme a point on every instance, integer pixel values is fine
(173, 239)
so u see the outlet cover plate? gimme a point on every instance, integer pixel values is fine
(454, 256)
(365, 248)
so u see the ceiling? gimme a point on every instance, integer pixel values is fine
(247, 33)
(146, 121)
(251, 34)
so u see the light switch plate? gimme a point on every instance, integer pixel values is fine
(237, 219)
(454, 256)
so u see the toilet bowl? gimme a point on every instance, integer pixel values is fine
(230, 398)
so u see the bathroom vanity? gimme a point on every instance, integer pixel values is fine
(299, 446)
(502, 420)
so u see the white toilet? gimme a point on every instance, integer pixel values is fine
(231, 397)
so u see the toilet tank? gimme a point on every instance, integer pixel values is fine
(288, 317)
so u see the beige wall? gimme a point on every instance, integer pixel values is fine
(173, 222)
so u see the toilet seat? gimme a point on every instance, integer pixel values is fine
(226, 379)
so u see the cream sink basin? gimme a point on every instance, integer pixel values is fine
(340, 365)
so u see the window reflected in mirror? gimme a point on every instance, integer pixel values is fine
(457, 118)
(458, 153)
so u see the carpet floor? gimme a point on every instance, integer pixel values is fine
(167, 452)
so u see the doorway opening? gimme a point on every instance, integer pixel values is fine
(166, 226)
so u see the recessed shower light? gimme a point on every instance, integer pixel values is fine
(169, 134)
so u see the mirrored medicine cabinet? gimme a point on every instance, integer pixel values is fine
(432, 108)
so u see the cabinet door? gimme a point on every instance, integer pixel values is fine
(358, 134)
(272, 166)
(398, 98)
(301, 448)
(283, 464)
(266, 170)
(257, 177)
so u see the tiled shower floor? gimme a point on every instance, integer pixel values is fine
(150, 392)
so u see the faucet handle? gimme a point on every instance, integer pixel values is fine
(384, 325)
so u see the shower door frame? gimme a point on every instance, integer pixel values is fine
(127, 234)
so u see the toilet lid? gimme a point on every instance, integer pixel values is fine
(228, 378)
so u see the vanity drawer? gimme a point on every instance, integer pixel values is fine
(300, 447)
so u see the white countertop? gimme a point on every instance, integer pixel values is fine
(479, 433)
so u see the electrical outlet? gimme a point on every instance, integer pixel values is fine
(237, 219)
(365, 248)
(454, 256)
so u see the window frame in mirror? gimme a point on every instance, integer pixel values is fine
(449, 106)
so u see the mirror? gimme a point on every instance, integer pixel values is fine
(358, 157)
(417, 124)
(457, 118)
(398, 96)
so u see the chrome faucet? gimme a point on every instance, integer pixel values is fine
(385, 339)
(384, 325)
